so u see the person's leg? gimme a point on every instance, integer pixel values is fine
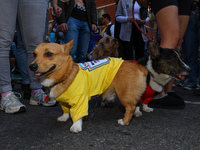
(138, 42)
(46, 25)
(13, 50)
(13, 64)
(183, 22)
(183, 18)
(31, 18)
(21, 57)
(168, 24)
(126, 50)
(8, 13)
(167, 13)
(198, 59)
(21, 63)
(184, 15)
(83, 42)
(7, 28)
(72, 34)
(190, 51)
(120, 49)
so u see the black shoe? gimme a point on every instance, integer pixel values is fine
(173, 94)
(196, 91)
(27, 91)
(167, 102)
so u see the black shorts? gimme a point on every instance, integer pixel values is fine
(183, 5)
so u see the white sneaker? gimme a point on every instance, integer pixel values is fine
(189, 87)
(11, 104)
(41, 98)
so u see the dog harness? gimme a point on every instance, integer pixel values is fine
(93, 78)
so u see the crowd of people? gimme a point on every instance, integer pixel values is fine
(77, 20)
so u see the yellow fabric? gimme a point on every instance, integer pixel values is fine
(92, 79)
(104, 29)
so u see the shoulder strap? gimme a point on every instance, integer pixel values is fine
(107, 31)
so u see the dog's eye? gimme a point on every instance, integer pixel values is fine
(48, 54)
(34, 54)
(173, 58)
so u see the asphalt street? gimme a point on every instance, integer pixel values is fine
(163, 129)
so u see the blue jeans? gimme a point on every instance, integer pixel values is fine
(31, 17)
(21, 57)
(13, 50)
(190, 49)
(79, 31)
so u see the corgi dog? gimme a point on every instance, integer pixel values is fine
(163, 64)
(73, 85)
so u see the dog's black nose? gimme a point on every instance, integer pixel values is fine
(33, 67)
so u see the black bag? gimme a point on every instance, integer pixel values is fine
(143, 13)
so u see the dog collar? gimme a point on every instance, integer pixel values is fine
(151, 74)
(47, 89)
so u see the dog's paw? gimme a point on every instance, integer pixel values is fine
(137, 113)
(120, 122)
(146, 108)
(63, 118)
(76, 127)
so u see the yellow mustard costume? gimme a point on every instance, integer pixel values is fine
(92, 79)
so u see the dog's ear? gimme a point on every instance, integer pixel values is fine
(153, 49)
(101, 51)
(68, 46)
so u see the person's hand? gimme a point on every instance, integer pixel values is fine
(140, 21)
(130, 19)
(94, 27)
(57, 10)
(63, 27)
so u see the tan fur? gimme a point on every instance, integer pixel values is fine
(129, 82)
(107, 46)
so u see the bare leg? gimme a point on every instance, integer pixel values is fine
(168, 20)
(168, 24)
(183, 22)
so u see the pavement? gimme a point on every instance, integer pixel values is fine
(162, 129)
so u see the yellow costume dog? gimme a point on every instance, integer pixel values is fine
(94, 77)
(73, 84)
